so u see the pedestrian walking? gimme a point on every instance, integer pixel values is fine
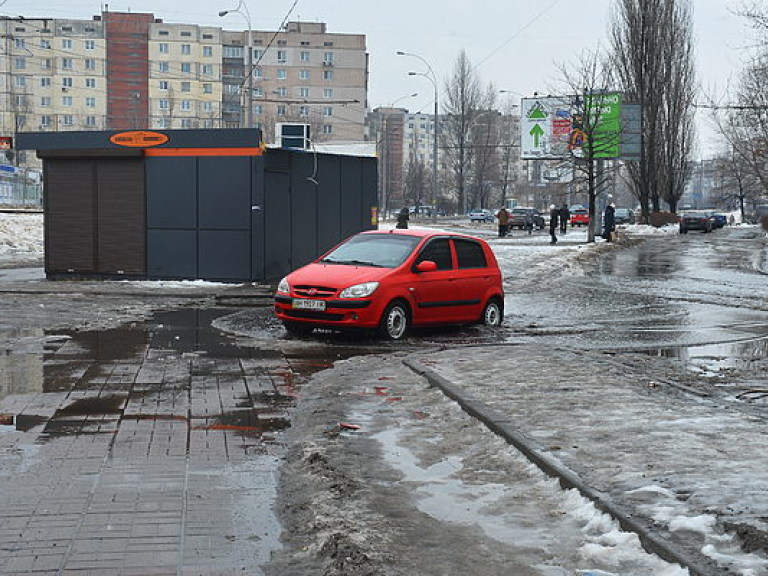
(609, 222)
(565, 216)
(402, 218)
(503, 216)
(554, 214)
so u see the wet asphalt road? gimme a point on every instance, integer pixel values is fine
(154, 447)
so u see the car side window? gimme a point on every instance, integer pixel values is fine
(439, 251)
(470, 254)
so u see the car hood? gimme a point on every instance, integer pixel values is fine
(337, 275)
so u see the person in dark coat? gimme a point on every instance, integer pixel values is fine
(565, 216)
(554, 214)
(609, 222)
(402, 218)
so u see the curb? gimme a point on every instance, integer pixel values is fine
(504, 427)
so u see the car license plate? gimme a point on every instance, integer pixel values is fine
(304, 304)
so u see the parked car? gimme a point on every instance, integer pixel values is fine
(392, 280)
(719, 219)
(696, 221)
(624, 216)
(480, 215)
(579, 216)
(517, 217)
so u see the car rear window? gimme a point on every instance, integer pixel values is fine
(470, 254)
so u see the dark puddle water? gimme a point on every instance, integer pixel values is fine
(90, 382)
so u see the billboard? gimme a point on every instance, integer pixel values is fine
(552, 128)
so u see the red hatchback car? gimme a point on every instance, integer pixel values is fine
(392, 280)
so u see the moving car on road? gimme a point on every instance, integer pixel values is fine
(517, 217)
(696, 221)
(392, 280)
(480, 215)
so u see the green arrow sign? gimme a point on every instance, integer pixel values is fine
(537, 132)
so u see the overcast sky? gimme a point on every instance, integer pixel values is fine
(515, 44)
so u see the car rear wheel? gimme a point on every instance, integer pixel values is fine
(396, 321)
(493, 313)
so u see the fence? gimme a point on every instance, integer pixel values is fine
(17, 190)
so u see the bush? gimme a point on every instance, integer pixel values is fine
(659, 219)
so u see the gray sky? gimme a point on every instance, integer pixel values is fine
(515, 44)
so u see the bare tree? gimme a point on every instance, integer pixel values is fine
(652, 54)
(591, 82)
(737, 185)
(417, 181)
(461, 104)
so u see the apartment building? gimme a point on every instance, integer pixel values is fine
(133, 71)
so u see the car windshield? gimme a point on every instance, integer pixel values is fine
(378, 250)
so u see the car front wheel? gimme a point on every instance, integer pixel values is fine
(395, 321)
(493, 313)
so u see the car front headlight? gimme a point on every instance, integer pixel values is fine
(284, 287)
(359, 290)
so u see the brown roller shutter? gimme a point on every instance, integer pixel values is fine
(121, 224)
(69, 220)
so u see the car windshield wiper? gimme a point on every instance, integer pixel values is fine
(351, 262)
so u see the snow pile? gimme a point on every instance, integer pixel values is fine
(21, 235)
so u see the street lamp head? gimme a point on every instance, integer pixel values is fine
(223, 12)
(413, 74)
(400, 53)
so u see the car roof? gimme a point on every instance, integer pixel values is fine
(421, 233)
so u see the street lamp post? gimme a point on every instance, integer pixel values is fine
(432, 78)
(242, 9)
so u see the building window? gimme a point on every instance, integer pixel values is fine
(46, 121)
(304, 56)
(303, 92)
(303, 111)
(90, 44)
(66, 82)
(20, 81)
(328, 111)
(90, 102)
(303, 74)
(233, 52)
(186, 49)
(164, 48)
(44, 82)
(258, 55)
(328, 58)
(163, 104)
(21, 63)
(207, 70)
(186, 123)
(258, 73)
(282, 56)
(163, 67)
(327, 129)
(186, 105)
(282, 74)
(207, 36)
(162, 123)
(66, 44)
(282, 91)
(21, 43)
(67, 120)
(90, 64)
(45, 44)
(207, 88)
(186, 67)
(66, 100)
(207, 106)
(66, 63)
(208, 51)
(327, 43)
(327, 74)
(163, 85)
(163, 33)
(281, 109)
(90, 82)
(186, 86)
(328, 93)
(186, 33)
(46, 64)
(90, 121)
(258, 92)
(45, 101)
(258, 109)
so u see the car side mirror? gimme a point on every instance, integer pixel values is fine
(426, 266)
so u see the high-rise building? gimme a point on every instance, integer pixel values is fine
(123, 71)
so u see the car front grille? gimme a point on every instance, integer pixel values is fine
(311, 315)
(314, 291)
